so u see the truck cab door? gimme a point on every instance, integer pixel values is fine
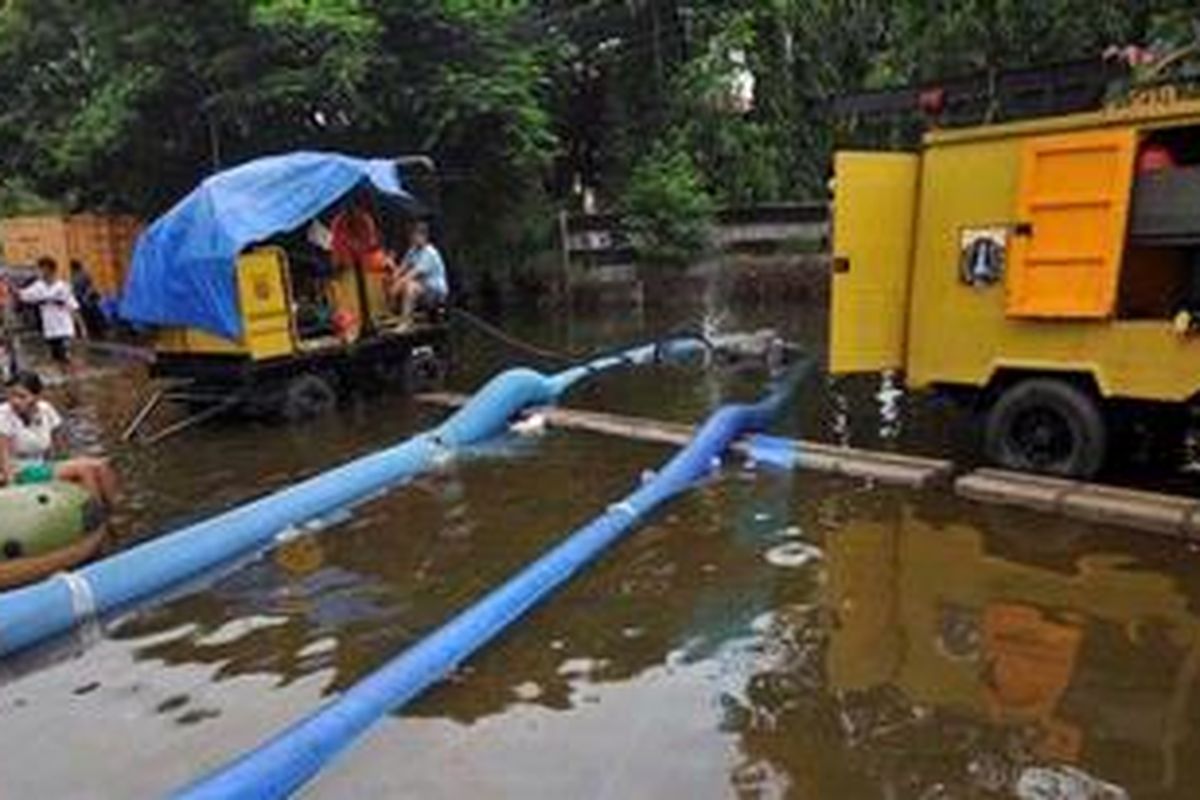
(875, 203)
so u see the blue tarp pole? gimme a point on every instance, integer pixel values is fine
(285, 763)
(56, 605)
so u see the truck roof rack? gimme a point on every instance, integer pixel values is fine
(990, 96)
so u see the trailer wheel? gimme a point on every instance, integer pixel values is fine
(426, 370)
(1047, 425)
(388, 373)
(308, 396)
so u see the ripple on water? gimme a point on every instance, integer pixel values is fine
(238, 628)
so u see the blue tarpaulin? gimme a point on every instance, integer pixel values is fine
(183, 270)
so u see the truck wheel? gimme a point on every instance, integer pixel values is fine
(308, 396)
(1047, 425)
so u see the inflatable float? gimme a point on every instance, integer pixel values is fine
(44, 529)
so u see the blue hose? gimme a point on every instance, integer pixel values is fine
(295, 756)
(56, 605)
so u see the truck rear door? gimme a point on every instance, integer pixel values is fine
(875, 202)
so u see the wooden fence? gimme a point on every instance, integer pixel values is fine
(103, 243)
(597, 250)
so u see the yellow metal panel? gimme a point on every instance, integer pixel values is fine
(1075, 198)
(875, 200)
(194, 342)
(959, 334)
(170, 340)
(376, 297)
(265, 303)
(264, 300)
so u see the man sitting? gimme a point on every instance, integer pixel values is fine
(419, 281)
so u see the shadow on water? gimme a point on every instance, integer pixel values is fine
(765, 636)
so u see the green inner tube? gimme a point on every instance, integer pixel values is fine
(38, 519)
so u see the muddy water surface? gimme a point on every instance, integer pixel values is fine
(765, 636)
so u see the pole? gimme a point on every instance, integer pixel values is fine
(214, 140)
(564, 236)
(9, 334)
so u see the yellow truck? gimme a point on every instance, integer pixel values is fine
(1047, 271)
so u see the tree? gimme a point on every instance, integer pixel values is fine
(129, 103)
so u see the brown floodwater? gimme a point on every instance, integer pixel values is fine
(767, 635)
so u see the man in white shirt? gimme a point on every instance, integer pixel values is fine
(57, 308)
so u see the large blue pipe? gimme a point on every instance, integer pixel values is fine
(285, 763)
(56, 605)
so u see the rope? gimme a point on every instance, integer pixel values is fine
(566, 358)
(487, 328)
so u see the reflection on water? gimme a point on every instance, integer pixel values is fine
(946, 659)
(765, 636)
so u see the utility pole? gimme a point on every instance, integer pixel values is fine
(685, 19)
(658, 65)
(214, 132)
(214, 143)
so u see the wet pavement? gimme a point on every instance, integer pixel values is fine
(768, 635)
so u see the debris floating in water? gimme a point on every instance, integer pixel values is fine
(532, 425)
(793, 555)
(528, 691)
(1065, 783)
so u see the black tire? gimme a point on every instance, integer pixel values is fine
(1047, 425)
(389, 373)
(308, 396)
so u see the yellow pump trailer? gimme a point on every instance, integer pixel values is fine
(274, 366)
(1046, 270)
(310, 330)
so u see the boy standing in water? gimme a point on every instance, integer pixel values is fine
(58, 309)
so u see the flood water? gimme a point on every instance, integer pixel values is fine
(767, 635)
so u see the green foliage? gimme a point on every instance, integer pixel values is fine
(666, 207)
(16, 198)
(127, 104)
(738, 156)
